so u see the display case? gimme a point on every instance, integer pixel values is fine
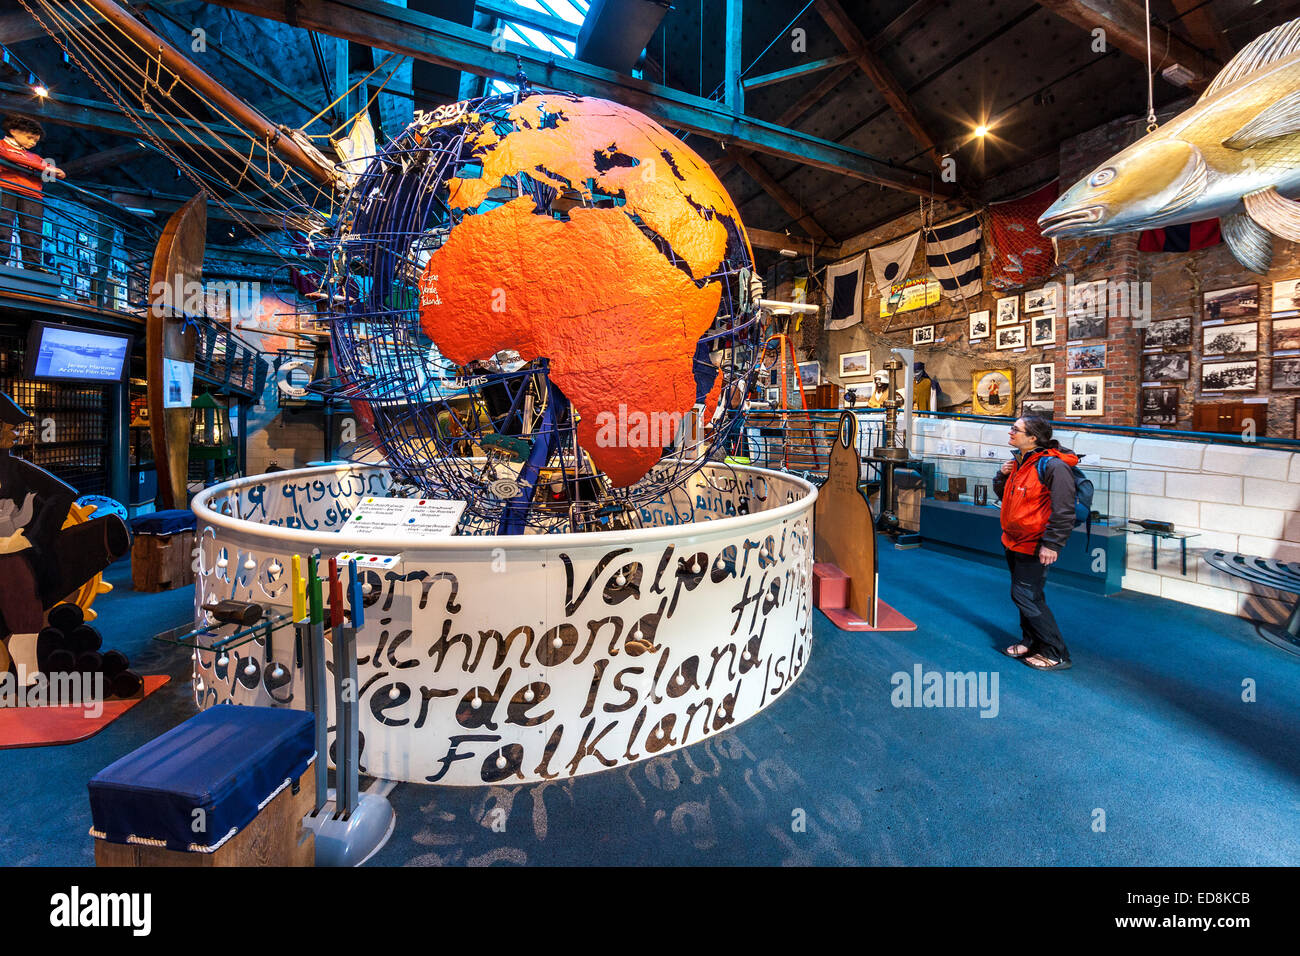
(961, 515)
(1110, 485)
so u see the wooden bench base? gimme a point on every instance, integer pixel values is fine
(162, 562)
(275, 837)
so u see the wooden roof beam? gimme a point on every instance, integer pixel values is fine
(1124, 23)
(20, 26)
(880, 75)
(755, 169)
(777, 241)
(386, 26)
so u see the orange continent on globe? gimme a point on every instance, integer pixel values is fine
(617, 318)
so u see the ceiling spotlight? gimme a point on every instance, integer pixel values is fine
(37, 86)
(789, 253)
(981, 131)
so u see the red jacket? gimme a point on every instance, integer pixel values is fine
(1034, 513)
(15, 180)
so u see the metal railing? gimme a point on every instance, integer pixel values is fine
(800, 442)
(1247, 439)
(76, 246)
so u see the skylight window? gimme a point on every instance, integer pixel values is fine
(530, 34)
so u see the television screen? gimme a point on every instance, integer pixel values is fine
(71, 354)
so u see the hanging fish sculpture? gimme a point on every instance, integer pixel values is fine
(1234, 155)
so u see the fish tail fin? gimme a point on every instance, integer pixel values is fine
(1249, 242)
(1276, 213)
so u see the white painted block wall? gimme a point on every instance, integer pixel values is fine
(1233, 498)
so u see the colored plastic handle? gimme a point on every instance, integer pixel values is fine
(314, 597)
(354, 589)
(297, 586)
(336, 595)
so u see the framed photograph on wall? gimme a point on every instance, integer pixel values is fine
(1011, 338)
(1239, 339)
(1043, 300)
(1286, 373)
(1009, 310)
(774, 395)
(923, 335)
(1042, 378)
(1043, 409)
(1230, 376)
(1167, 367)
(993, 392)
(1085, 358)
(1042, 330)
(1170, 334)
(810, 374)
(1235, 303)
(1159, 406)
(1286, 335)
(1286, 297)
(855, 364)
(1084, 396)
(1085, 327)
(979, 325)
(1087, 298)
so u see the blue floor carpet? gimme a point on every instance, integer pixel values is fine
(1143, 754)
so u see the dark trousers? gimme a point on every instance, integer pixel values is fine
(29, 211)
(1037, 624)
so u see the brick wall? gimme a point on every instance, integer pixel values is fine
(1176, 283)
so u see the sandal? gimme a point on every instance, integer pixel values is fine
(1040, 663)
(1011, 651)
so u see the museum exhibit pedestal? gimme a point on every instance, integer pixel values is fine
(503, 659)
(975, 532)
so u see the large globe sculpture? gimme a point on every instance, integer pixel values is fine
(542, 306)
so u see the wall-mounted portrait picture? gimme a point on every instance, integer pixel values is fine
(923, 336)
(1043, 300)
(1011, 338)
(1170, 333)
(1085, 358)
(1229, 376)
(855, 364)
(1167, 367)
(1009, 310)
(993, 392)
(810, 374)
(1235, 303)
(1286, 373)
(1085, 326)
(1084, 396)
(1239, 339)
(1087, 297)
(979, 325)
(1042, 378)
(1159, 406)
(1286, 297)
(1286, 335)
(1042, 330)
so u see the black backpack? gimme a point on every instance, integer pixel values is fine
(1083, 491)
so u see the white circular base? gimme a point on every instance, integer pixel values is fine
(492, 659)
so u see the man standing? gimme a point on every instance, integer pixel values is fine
(21, 195)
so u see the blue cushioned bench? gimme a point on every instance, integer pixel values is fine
(222, 789)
